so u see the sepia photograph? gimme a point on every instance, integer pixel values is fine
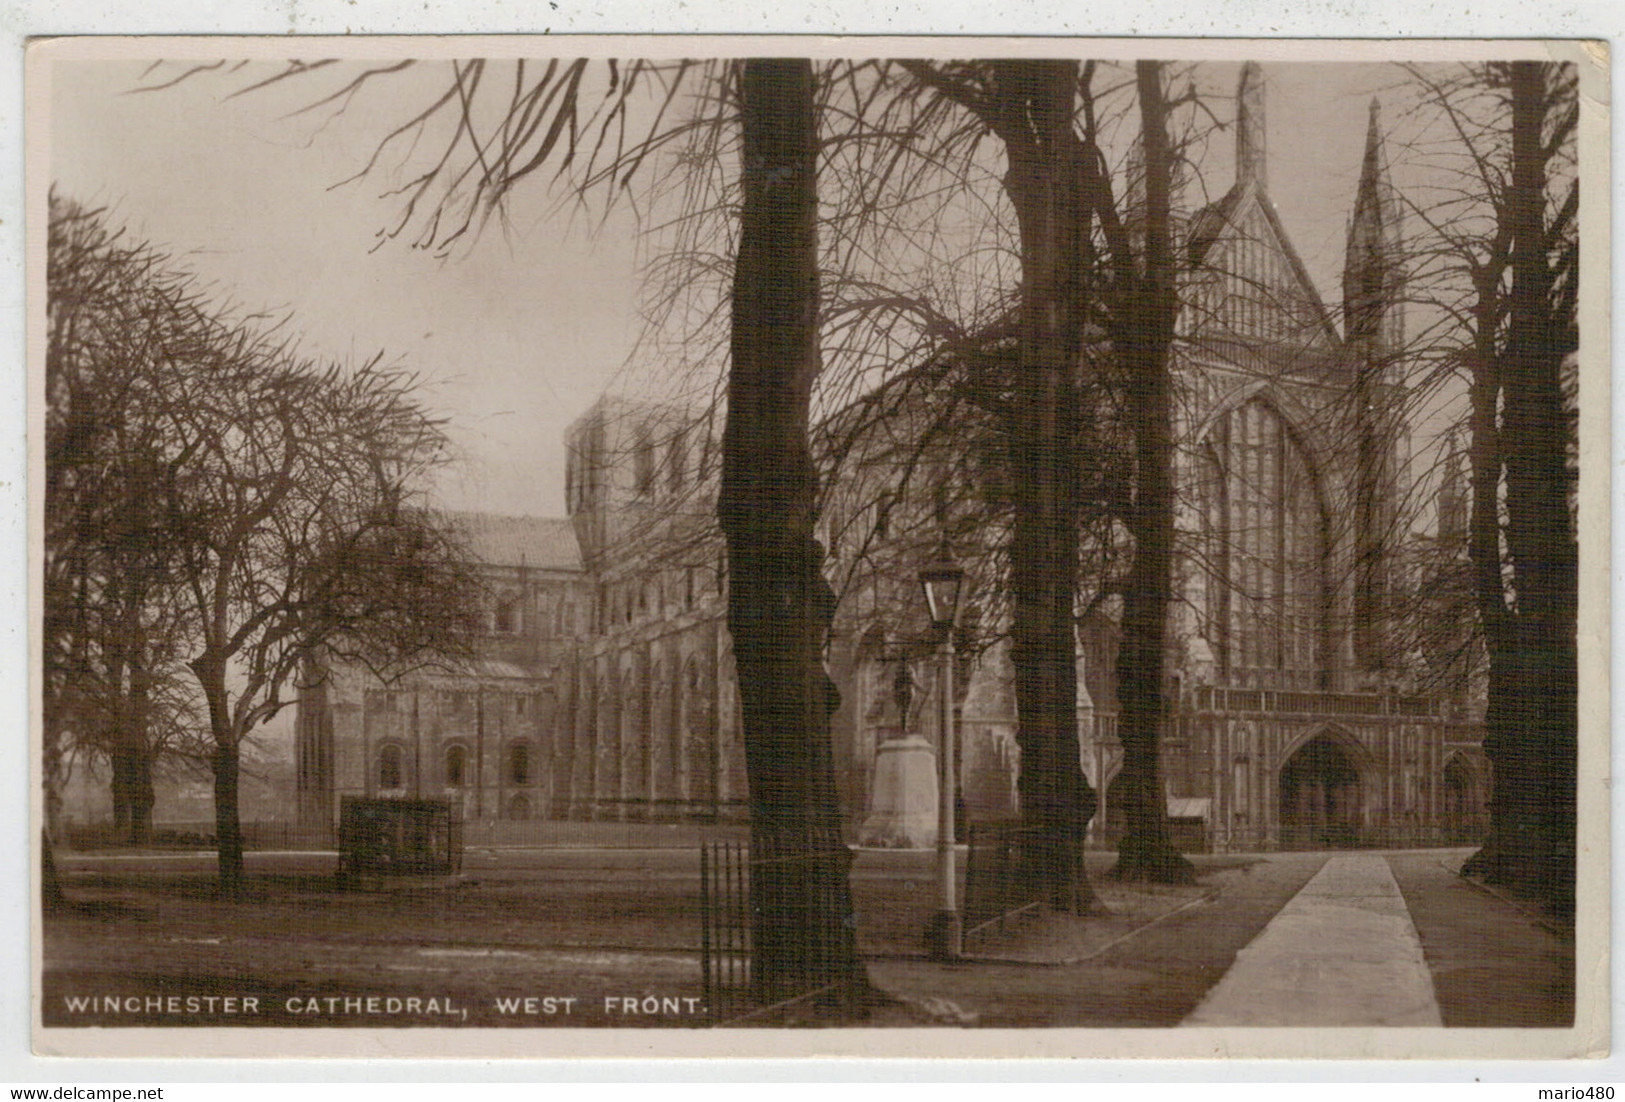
(967, 547)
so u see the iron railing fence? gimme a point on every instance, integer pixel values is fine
(725, 928)
(200, 834)
(632, 824)
(748, 890)
(997, 884)
(593, 834)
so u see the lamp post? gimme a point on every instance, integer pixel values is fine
(942, 581)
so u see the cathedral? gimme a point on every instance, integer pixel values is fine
(605, 687)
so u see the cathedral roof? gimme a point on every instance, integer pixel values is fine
(1217, 219)
(1211, 221)
(495, 667)
(547, 543)
(1225, 236)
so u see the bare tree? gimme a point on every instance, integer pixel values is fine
(1512, 245)
(217, 504)
(1029, 106)
(767, 502)
(1143, 305)
(120, 323)
(1099, 293)
(304, 542)
(779, 605)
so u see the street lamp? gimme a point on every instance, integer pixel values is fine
(942, 581)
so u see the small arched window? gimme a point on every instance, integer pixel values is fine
(389, 766)
(643, 466)
(677, 461)
(519, 763)
(456, 766)
(507, 617)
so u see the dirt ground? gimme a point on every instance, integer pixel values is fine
(612, 937)
(525, 938)
(309, 954)
(1146, 965)
(1475, 949)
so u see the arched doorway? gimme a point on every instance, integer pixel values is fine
(1320, 797)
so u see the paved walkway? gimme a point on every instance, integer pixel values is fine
(1343, 952)
(1287, 939)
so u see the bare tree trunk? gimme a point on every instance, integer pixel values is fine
(130, 752)
(1484, 550)
(133, 796)
(1033, 114)
(1144, 337)
(1537, 534)
(53, 769)
(53, 900)
(138, 748)
(116, 650)
(779, 605)
(125, 782)
(1532, 714)
(228, 835)
(143, 799)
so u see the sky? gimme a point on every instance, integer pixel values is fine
(516, 335)
(513, 338)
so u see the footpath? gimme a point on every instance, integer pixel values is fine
(1303, 939)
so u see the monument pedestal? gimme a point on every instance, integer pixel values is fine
(902, 796)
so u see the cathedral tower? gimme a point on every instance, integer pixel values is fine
(1373, 317)
(1373, 333)
(1251, 159)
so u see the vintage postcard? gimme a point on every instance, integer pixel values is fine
(705, 546)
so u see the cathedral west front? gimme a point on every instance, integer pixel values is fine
(605, 689)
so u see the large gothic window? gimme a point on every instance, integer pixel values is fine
(1264, 548)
